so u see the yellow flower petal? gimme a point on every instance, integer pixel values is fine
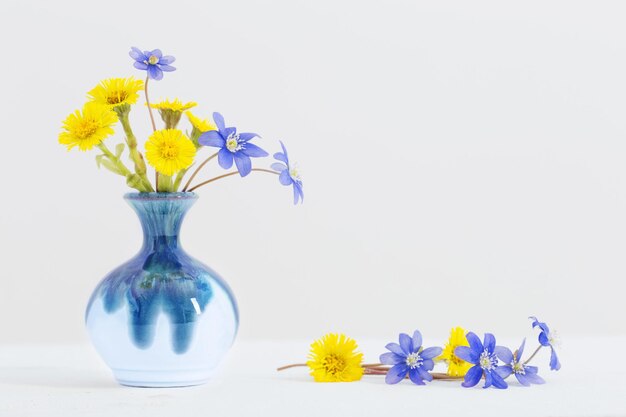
(456, 365)
(89, 127)
(175, 105)
(203, 125)
(116, 91)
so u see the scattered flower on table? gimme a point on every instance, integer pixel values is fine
(525, 374)
(483, 356)
(153, 62)
(233, 146)
(410, 358)
(548, 338)
(456, 365)
(334, 358)
(288, 175)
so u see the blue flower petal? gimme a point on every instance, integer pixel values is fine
(253, 151)
(474, 342)
(396, 373)
(504, 353)
(520, 351)
(543, 339)
(390, 358)
(166, 68)
(244, 137)
(278, 166)
(504, 371)
(414, 376)
(428, 364)
(244, 164)
(490, 342)
(282, 145)
(395, 348)
(424, 374)
(279, 156)
(225, 158)
(531, 369)
(219, 122)
(228, 131)
(536, 323)
(406, 343)
(467, 354)
(472, 377)
(297, 189)
(166, 60)
(498, 382)
(136, 54)
(212, 138)
(534, 378)
(417, 340)
(156, 52)
(488, 379)
(431, 352)
(555, 365)
(285, 178)
(140, 65)
(155, 72)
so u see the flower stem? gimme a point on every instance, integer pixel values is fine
(135, 155)
(219, 177)
(156, 174)
(133, 180)
(533, 355)
(198, 169)
(293, 365)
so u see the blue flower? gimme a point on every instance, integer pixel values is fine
(152, 61)
(234, 146)
(485, 361)
(288, 174)
(409, 358)
(525, 374)
(547, 338)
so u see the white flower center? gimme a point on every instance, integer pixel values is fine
(232, 143)
(414, 360)
(518, 367)
(294, 174)
(553, 338)
(488, 361)
(153, 60)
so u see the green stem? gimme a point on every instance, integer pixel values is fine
(165, 184)
(198, 169)
(219, 177)
(132, 180)
(135, 155)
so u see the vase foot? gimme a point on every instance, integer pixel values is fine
(161, 379)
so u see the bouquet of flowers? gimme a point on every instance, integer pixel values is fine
(170, 151)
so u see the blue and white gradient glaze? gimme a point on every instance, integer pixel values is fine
(162, 318)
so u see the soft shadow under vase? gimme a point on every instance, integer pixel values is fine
(162, 319)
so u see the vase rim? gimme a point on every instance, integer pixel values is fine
(161, 196)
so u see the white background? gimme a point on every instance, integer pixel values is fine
(463, 162)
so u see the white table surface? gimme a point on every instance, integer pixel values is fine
(72, 381)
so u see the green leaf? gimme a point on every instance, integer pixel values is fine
(110, 166)
(119, 148)
(99, 160)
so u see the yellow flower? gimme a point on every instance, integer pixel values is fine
(116, 91)
(169, 151)
(333, 359)
(202, 125)
(175, 105)
(88, 128)
(456, 365)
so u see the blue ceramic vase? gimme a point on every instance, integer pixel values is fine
(162, 319)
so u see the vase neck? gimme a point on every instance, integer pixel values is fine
(161, 215)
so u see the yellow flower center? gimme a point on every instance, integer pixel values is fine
(169, 152)
(518, 368)
(116, 97)
(86, 128)
(153, 60)
(333, 364)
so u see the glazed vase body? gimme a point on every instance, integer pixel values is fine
(162, 319)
